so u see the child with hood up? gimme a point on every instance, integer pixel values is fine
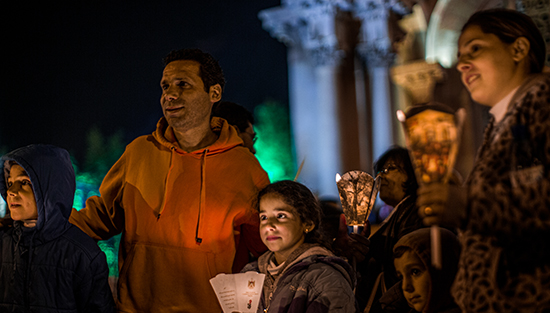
(425, 288)
(47, 264)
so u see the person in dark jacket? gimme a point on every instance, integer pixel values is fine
(47, 264)
(397, 188)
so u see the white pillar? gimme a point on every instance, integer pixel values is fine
(327, 143)
(308, 32)
(303, 114)
(375, 49)
(383, 117)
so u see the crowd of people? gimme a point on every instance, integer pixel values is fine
(191, 201)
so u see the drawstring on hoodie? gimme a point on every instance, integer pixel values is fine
(202, 200)
(173, 149)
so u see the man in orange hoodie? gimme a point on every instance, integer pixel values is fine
(182, 197)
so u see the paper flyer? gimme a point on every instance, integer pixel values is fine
(238, 292)
(357, 191)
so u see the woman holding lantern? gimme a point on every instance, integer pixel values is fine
(503, 211)
(398, 188)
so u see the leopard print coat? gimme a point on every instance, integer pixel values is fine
(505, 259)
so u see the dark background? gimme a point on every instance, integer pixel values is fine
(69, 66)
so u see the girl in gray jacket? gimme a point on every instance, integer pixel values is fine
(302, 275)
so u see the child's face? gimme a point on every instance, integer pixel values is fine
(416, 280)
(281, 229)
(20, 195)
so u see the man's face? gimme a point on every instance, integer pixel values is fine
(185, 103)
(20, 195)
(249, 138)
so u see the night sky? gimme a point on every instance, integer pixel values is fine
(68, 66)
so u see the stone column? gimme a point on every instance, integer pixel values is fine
(375, 49)
(352, 102)
(307, 28)
(341, 110)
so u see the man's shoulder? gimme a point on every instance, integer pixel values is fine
(144, 145)
(240, 156)
(143, 140)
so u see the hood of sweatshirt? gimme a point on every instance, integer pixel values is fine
(53, 181)
(228, 137)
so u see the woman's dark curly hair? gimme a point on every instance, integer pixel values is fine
(210, 71)
(303, 201)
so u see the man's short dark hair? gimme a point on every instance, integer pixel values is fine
(235, 114)
(210, 71)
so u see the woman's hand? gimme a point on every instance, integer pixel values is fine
(442, 204)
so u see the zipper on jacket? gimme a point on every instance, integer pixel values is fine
(269, 302)
(27, 287)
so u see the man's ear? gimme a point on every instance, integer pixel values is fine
(215, 93)
(520, 49)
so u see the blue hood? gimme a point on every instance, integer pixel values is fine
(53, 181)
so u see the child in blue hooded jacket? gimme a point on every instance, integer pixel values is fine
(47, 264)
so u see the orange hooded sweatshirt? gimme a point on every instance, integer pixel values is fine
(181, 215)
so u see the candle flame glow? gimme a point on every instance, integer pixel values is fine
(401, 116)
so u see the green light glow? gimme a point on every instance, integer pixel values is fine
(274, 146)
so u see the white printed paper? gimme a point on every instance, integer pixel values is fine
(238, 292)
